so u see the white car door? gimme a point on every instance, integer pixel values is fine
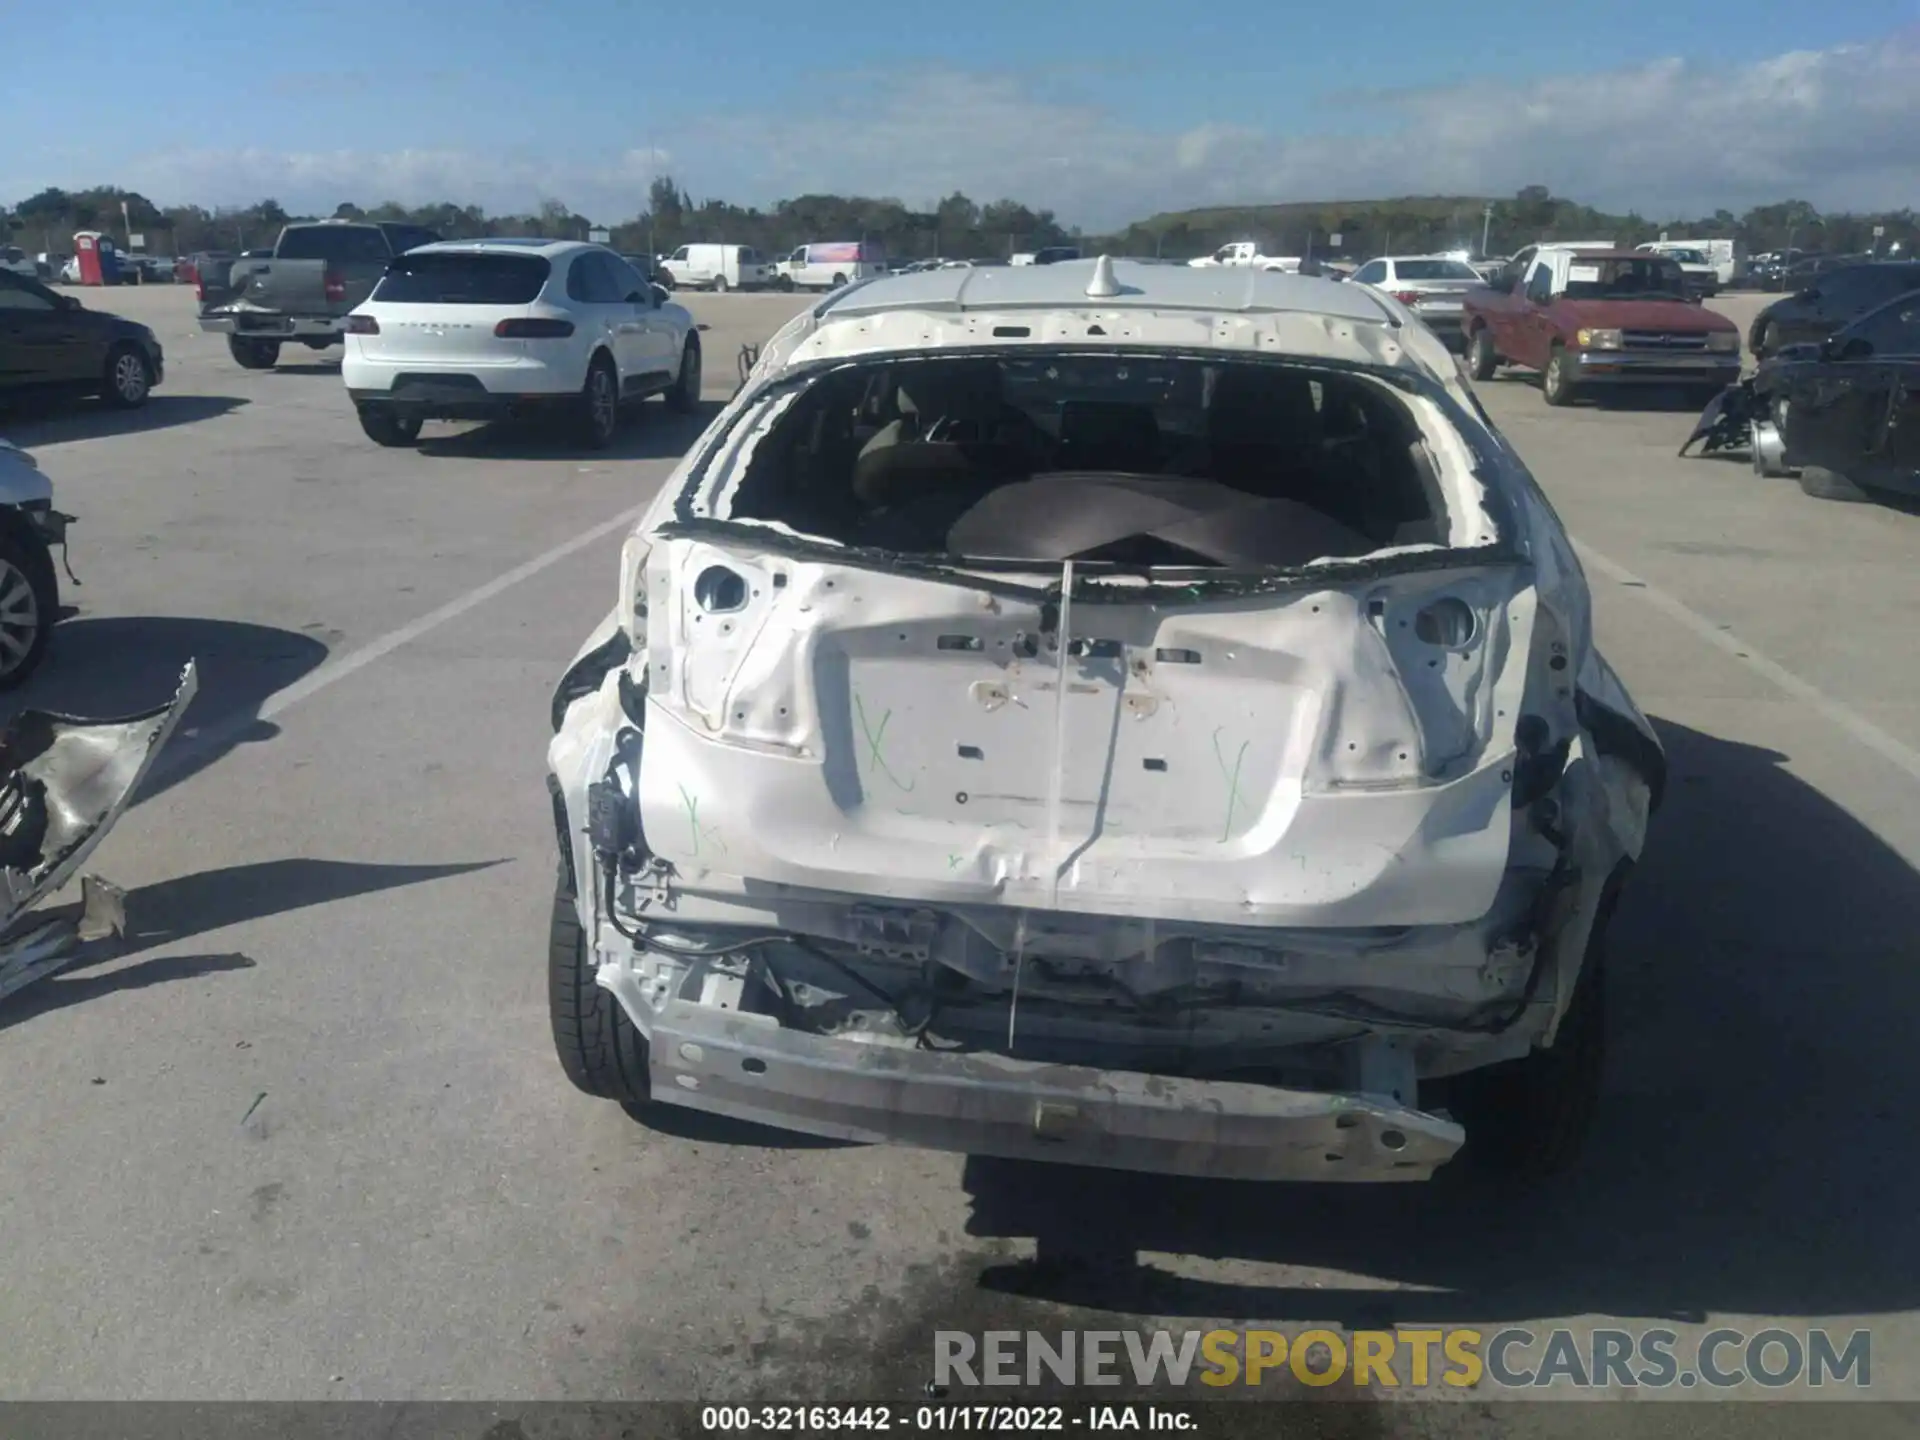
(602, 311)
(655, 347)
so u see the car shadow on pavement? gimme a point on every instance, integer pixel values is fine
(122, 665)
(651, 432)
(322, 366)
(1751, 1153)
(189, 905)
(679, 1123)
(59, 422)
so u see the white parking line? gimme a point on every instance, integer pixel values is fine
(187, 748)
(1832, 711)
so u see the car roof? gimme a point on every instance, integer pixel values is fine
(1595, 253)
(1397, 258)
(505, 245)
(1063, 286)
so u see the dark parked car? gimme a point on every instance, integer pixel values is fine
(1830, 300)
(51, 342)
(1844, 411)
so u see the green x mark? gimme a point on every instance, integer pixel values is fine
(874, 736)
(1232, 777)
(695, 828)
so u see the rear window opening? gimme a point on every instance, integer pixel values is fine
(1157, 461)
(451, 278)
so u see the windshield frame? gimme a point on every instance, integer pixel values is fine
(1673, 278)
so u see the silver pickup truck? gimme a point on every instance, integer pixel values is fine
(317, 273)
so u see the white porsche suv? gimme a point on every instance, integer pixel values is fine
(478, 329)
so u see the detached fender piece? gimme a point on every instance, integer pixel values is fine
(64, 782)
(1723, 425)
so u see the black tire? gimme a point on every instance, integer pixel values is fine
(599, 1048)
(29, 607)
(1556, 381)
(128, 380)
(1482, 358)
(1824, 484)
(684, 397)
(386, 426)
(838, 281)
(1527, 1118)
(598, 419)
(719, 284)
(253, 354)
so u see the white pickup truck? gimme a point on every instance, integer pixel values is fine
(1246, 254)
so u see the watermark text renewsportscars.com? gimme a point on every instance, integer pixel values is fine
(1514, 1358)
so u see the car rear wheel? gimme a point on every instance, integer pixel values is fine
(684, 397)
(29, 605)
(600, 1050)
(1482, 358)
(253, 354)
(719, 284)
(129, 378)
(599, 405)
(1556, 381)
(1527, 1118)
(386, 426)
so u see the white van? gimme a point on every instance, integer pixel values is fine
(715, 267)
(1047, 255)
(1725, 256)
(827, 265)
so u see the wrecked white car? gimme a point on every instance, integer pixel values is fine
(1121, 714)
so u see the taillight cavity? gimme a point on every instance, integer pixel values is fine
(533, 328)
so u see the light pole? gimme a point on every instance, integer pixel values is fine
(1486, 228)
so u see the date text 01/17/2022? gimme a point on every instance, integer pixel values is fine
(937, 1419)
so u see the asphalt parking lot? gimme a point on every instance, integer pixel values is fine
(308, 1138)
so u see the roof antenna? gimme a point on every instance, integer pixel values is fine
(1103, 286)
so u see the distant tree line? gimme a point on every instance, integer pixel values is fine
(1421, 224)
(959, 227)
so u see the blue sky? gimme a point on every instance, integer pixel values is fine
(1655, 103)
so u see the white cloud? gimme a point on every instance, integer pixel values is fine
(1672, 136)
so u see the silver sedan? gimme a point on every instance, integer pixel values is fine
(1432, 286)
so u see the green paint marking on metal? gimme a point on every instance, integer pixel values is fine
(953, 861)
(698, 831)
(1232, 777)
(692, 802)
(874, 736)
